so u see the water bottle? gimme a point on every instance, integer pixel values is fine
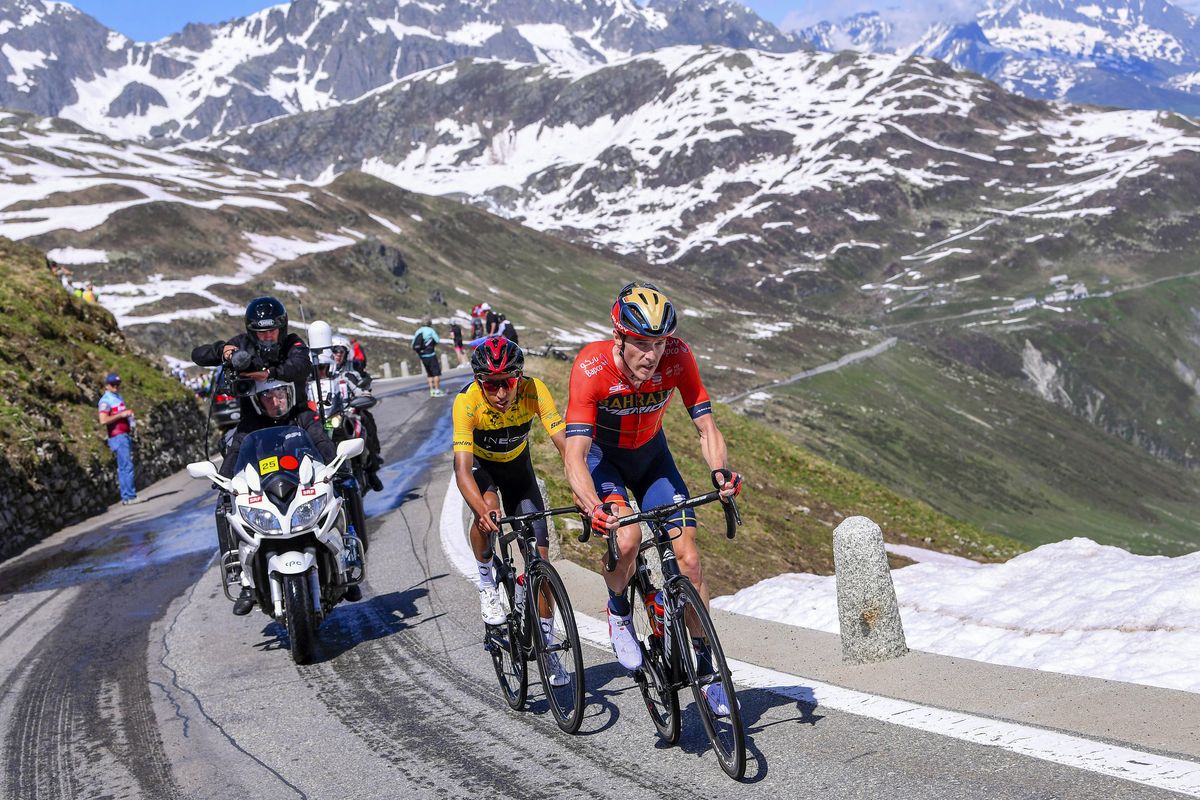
(654, 606)
(520, 595)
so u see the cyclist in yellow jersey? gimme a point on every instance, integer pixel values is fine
(492, 417)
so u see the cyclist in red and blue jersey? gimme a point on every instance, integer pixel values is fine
(616, 448)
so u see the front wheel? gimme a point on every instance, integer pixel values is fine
(559, 657)
(299, 616)
(504, 643)
(725, 730)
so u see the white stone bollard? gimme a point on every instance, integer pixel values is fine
(445, 363)
(867, 609)
(404, 369)
(387, 369)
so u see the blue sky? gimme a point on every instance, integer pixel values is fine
(148, 20)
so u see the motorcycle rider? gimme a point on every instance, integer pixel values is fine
(265, 352)
(360, 383)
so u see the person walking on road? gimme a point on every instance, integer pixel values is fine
(425, 342)
(119, 421)
(459, 349)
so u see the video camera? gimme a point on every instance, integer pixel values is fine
(244, 361)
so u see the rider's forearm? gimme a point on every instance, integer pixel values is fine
(580, 481)
(712, 446)
(469, 489)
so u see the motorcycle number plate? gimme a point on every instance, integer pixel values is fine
(268, 465)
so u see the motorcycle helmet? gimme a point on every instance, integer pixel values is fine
(275, 387)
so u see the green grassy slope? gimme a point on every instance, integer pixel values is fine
(792, 501)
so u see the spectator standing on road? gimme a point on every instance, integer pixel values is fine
(425, 342)
(119, 421)
(459, 350)
(477, 314)
(89, 294)
(491, 325)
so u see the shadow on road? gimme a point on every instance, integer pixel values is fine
(351, 624)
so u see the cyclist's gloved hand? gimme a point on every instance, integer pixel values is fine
(728, 482)
(604, 518)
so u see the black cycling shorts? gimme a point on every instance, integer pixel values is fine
(517, 486)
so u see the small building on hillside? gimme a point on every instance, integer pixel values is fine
(1061, 296)
(1078, 292)
(1056, 280)
(1024, 304)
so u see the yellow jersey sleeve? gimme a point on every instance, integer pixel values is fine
(464, 424)
(546, 409)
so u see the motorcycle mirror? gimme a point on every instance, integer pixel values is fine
(350, 448)
(250, 475)
(363, 401)
(306, 471)
(239, 485)
(320, 336)
(202, 469)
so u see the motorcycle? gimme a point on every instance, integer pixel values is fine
(296, 549)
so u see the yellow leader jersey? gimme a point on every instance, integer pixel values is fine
(481, 429)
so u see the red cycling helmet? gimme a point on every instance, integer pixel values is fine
(497, 357)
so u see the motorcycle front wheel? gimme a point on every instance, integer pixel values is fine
(299, 617)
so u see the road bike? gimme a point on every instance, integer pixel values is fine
(664, 620)
(535, 595)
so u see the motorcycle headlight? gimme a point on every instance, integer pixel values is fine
(307, 515)
(260, 519)
(335, 421)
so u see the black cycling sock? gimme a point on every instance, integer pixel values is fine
(619, 603)
(704, 665)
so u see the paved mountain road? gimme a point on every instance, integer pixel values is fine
(123, 674)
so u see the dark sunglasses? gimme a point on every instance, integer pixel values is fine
(496, 384)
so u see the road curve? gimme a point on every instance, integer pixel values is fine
(123, 674)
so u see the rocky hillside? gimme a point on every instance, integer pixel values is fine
(1122, 53)
(55, 467)
(313, 54)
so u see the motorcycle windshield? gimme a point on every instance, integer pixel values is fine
(277, 449)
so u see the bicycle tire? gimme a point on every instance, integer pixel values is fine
(725, 733)
(504, 643)
(656, 678)
(566, 702)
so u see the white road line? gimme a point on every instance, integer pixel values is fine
(1161, 772)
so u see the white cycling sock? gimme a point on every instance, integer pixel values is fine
(486, 581)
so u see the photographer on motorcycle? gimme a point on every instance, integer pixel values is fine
(265, 354)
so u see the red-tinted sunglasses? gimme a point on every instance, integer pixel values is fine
(496, 384)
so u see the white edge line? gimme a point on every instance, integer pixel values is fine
(1162, 772)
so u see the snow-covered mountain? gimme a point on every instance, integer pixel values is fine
(795, 158)
(313, 54)
(1124, 53)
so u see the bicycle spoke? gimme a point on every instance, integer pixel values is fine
(662, 701)
(558, 652)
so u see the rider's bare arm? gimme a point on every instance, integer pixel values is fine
(470, 491)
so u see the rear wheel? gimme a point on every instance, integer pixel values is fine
(299, 617)
(504, 643)
(559, 657)
(724, 731)
(655, 679)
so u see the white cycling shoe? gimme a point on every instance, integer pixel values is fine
(620, 632)
(718, 702)
(555, 672)
(489, 606)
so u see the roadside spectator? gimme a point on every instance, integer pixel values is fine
(491, 326)
(77, 291)
(425, 342)
(508, 330)
(459, 350)
(358, 358)
(119, 422)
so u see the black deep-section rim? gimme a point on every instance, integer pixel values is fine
(725, 733)
(566, 702)
(298, 617)
(662, 702)
(508, 659)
